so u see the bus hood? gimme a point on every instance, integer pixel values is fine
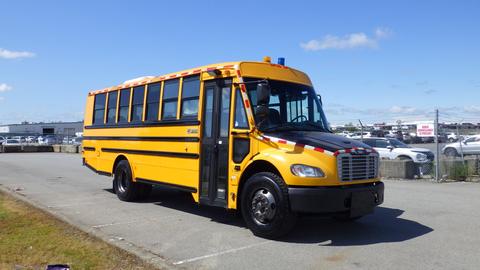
(327, 141)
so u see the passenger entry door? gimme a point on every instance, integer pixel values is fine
(214, 152)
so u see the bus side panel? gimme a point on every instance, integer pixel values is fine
(167, 170)
(162, 161)
(89, 156)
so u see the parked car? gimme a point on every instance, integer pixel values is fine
(469, 146)
(344, 134)
(389, 134)
(31, 139)
(452, 137)
(377, 133)
(389, 148)
(72, 140)
(11, 142)
(358, 135)
(77, 140)
(47, 140)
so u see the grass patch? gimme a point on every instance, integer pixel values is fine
(32, 239)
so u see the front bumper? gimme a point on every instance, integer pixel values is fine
(356, 200)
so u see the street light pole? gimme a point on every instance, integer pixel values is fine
(437, 154)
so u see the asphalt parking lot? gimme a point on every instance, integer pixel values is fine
(421, 225)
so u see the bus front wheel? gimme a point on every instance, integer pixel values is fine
(124, 187)
(265, 206)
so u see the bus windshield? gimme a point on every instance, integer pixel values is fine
(292, 107)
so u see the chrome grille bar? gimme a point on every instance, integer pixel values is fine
(357, 167)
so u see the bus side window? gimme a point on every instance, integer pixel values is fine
(240, 115)
(137, 103)
(99, 109)
(112, 107)
(190, 93)
(170, 99)
(124, 103)
(153, 102)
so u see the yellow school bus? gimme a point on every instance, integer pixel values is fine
(250, 136)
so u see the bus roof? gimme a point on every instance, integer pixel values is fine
(242, 68)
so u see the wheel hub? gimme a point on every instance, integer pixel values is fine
(263, 206)
(122, 185)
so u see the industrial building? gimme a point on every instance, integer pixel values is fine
(56, 128)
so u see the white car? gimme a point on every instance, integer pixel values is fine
(389, 148)
(358, 135)
(12, 142)
(344, 134)
(469, 146)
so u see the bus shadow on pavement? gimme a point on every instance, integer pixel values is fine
(384, 226)
(183, 201)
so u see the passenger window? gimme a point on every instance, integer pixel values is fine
(369, 143)
(190, 92)
(112, 107)
(208, 114)
(153, 102)
(224, 111)
(99, 108)
(381, 143)
(240, 115)
(124, 104)
(170, 99)
(137, 103)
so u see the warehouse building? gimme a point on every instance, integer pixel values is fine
(58, 128)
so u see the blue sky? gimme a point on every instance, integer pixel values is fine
(371, 60)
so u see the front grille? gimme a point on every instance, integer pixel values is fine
(357, 167)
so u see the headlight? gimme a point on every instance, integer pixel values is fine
(306, 171)
(421, 157)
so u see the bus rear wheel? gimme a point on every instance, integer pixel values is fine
(124, 187)
(265, 206)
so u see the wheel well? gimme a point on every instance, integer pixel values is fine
(450, 148)
(117, 160)
(404, 157)
(255, 167)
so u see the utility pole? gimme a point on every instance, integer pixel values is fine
(460, 142)
(361, 130)
(437, 153)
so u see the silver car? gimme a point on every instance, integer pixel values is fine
(469, 146)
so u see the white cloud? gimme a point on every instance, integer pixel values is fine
(4, 53)
(349, 41)
(383, 32)
(5, 87)
(402, 109)
(429, 91)
(472, 109)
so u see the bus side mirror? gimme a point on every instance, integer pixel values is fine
(263, 94)
(320, 99)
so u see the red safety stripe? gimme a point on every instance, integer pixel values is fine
(161, 78)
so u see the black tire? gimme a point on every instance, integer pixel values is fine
(451, 152)
(124, 187)
(277, 219)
